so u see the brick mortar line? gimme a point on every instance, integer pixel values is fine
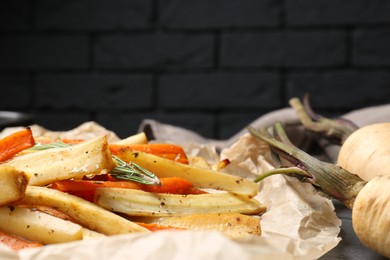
(151, 31)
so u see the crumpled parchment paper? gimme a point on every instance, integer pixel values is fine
(298, 224)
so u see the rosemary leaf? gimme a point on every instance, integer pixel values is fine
(40, 146)
(133, 172)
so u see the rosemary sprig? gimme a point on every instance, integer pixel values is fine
(124, 171)
(40, 146)
(133, 172)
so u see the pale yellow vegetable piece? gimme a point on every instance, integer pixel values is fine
(233, 225)
(366, 151)
(13, 184)
(43, 167)
(38, 226)
(200, 177)
(370, 215)
(90, 234)
(86, 213)
(199, 161)
(139, 138)
(141, 203)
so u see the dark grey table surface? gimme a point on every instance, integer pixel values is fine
(350, 246)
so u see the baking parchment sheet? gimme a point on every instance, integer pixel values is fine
(298, 223)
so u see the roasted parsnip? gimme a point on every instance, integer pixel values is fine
(141, 203)
(43, 167)
(233, 225)
(90, 234)
(139, 138)
(200, 177)
(13, 184)
(38, 226)
(86, 213)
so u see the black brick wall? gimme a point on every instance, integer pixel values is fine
(208, 65)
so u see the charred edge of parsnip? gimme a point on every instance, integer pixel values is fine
(330, 178)
(334, 130)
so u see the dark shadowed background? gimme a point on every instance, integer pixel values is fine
(211, 66)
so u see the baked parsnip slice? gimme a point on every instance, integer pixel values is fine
(141, 203)
(46, 166)
(13, 184)
(90, 234)
(139, 138)
(200, 177)
(86, 213)
(233, 225)
(38, 226)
